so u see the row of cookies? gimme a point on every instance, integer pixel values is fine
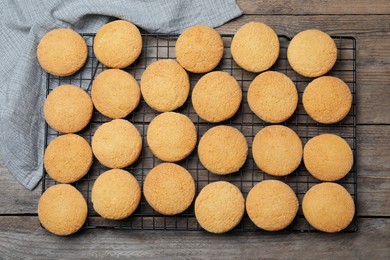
(273, 97)
(272, 205)
(255, 47)
(63, 52)
(170, 189)
(216, 97)
(171, 137)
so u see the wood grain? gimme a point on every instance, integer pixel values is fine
(373, 53)
(14, 198)
(369, 23)
(373, 164)
(21, 236)
(297, 7)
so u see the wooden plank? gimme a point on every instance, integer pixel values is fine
(297, 7)
(14, 198)
(373, 170)
(372, 34)
(22, 237)
(373, 164)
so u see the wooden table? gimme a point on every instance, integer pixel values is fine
(369, 23)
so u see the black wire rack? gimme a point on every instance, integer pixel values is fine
(155, 47)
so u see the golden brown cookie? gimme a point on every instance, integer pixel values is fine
(169, 189)
(165, 85)
(277, 150)
(68, 158)
(327, 99)
(328, 157)
(223, 150)
(199, 49)
(272, 96)
(68, 109)
(115, 93)
(272, 205)
(117, 44)
(255, 47)
(219, 207)
(312, 53)
(216, 96)
(171, 136)
(328, 207)
(117, 144)
(115, 194)
(62, 209)
(62, 52)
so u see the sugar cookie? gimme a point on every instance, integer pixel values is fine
(115, 93)
(62, 52)
(117, 44)
(328, 207)
(171, 136)
(68, 109)
(199, 49)
(62, 209)
(219, 207)
(255, 47)
(117, 144)
(216, 96)
(115, 194)
(223, 150)
(277, 150)
(272, 96)
(312, 53)
(68, 158)
(169, 189)
(165, 85)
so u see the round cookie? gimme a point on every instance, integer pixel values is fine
(68, 109)
(328, 207)
(62, 209)
(117, 144)
(68, 158)
(115, 93)
(312, 53)
(219, 207)
(223, 150)
(272, 96)
(171, 136)
(255, 47)
(115, 194)
(169, 189)
(328, 157)
(199, 49)
(216, 96)
(277, 150)
(272, 205)
(117, 44)
(62, 52)
(327, 99)
(165, 85)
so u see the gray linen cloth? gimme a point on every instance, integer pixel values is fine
(22, 81)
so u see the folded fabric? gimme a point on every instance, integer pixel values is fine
(22, 87)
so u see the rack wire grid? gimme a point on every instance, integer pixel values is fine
(157, 46)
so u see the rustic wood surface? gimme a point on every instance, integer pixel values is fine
(369, 22)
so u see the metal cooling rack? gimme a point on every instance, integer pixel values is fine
(156, 47)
